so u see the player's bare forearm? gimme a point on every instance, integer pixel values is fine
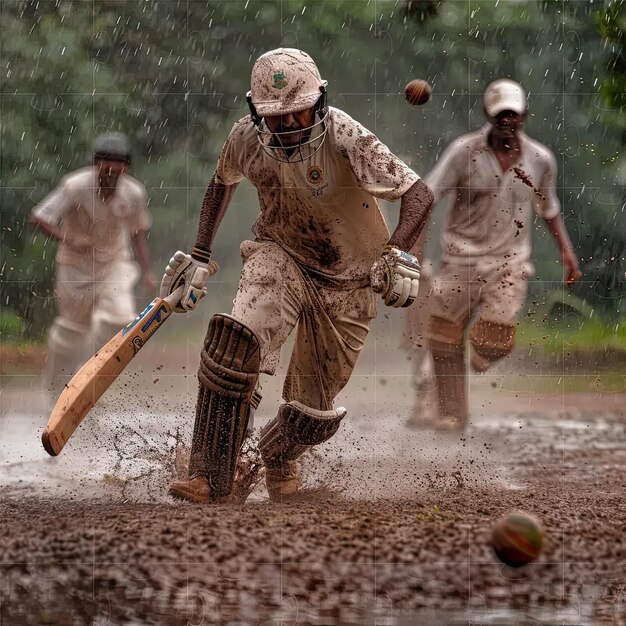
(79, 242)
(418, 247)
(415, 208)
(47, 228)
(217, 197)
(559, 233)
(140, 246)
(138, 241)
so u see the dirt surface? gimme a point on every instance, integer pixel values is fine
(393, 527)
(16, 359)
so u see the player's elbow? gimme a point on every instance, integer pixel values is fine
(422, 194)
(429, 196)
(34, 221)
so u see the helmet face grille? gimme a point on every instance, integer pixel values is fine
(282, 147)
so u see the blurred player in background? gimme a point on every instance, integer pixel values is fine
(96, 213)
(496, 176)
(320, 247)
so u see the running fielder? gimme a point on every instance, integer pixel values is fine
(96, 214)
(320, 246)
(497, 177)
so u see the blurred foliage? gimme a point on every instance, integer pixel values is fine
(606, 264)
(611, 21)
(173, 75)
(421, 10)
(10, 324)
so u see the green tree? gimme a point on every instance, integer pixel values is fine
(173, 75)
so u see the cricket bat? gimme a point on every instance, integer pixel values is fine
(97, 375)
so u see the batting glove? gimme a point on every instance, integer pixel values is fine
(184, 269)
(396, 277)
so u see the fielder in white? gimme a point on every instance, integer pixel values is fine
(497, 177)
(96, 213)
(320, 247)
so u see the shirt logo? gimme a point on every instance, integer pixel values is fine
(280, 82)
(315, 175)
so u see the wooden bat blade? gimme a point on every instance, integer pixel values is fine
(97, 375)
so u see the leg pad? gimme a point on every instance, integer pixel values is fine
(446, 344)
(228, 376)
(296, 428)
(490, 342)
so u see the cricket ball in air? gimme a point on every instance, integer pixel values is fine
(517, 539)
(418, 91)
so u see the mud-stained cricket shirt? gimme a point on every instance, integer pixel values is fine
(322, 211)
(492, 210)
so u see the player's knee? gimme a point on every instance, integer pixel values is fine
(490, 342)
(230, 358)
(114, 318)
(66, 336)
(445, 337)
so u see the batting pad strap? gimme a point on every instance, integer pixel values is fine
(228, 382)
(255, 400)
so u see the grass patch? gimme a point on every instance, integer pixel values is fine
(582, 334)
(605, 382)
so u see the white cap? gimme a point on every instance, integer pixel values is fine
(504, 95)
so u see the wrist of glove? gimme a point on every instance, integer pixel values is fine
(190, 272)
(396, 277)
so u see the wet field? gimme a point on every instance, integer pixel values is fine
(393, 527)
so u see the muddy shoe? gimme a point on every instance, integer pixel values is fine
(284, 481)
(420, 420)
(450, 424)
(425, 410)
(193, 490)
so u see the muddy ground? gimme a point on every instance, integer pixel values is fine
(393, 528)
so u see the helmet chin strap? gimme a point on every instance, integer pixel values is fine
(256, 118)
(321, 106)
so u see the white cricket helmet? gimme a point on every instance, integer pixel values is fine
(284, 81)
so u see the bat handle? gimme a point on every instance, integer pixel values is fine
(174, 298)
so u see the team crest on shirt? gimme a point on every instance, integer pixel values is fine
(315, 175)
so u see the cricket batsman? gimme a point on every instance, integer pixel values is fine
(320, 249)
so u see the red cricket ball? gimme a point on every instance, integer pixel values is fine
(418, 91)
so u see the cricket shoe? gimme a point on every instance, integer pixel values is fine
(192, 490)
(424, 420)
(451, 424)
(425, 413)
(283, 481)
